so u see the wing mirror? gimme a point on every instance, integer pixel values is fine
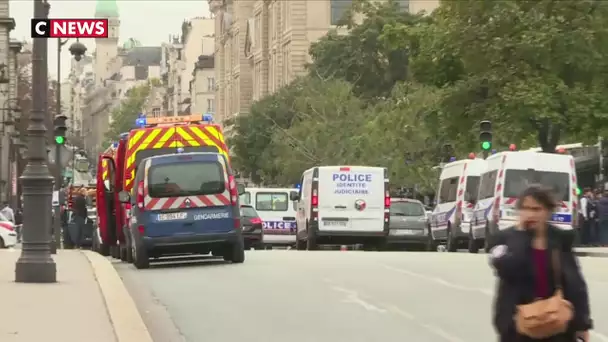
(240, 189)
(124, 197)
(294, 196)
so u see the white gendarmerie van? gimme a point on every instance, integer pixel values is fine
(343, 205)
(456, 196)
(508, 174)
(277, 211)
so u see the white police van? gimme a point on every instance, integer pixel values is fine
(456, 196)
(277, 211)
(342, 205)
(507, 175)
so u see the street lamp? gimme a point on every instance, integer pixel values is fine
(35, 264)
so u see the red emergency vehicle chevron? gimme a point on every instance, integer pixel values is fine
(187, 202)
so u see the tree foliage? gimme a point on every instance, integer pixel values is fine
(124, 116)
(391, 89)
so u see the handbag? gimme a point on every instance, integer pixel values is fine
(548, 317)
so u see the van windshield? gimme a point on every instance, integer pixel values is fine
(186, 179)
(153, 152)
(516, 181)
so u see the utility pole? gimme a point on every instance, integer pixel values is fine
(35, 264)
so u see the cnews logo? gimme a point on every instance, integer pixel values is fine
(69, 28)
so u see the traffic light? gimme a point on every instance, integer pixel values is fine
(60, 129)
(485, 135)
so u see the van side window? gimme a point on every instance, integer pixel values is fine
(448, 190)
(488, 184)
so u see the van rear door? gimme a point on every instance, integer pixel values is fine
(351, 198)
(188, 194)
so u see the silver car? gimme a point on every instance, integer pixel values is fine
(408, 225)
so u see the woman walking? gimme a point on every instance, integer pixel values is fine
(541, 294)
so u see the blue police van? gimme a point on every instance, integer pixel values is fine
(184, 203)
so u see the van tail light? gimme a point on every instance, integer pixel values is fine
(140, 195)
(256, 220)
(141, 229)
(387, 199)
(315, 198)
(234, 193)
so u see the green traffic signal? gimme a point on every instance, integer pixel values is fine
(59, 140)
(486, 145)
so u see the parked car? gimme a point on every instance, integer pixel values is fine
(253, 233)
(408, 224)
(8, 235)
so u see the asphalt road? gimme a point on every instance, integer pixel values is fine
(278, 296)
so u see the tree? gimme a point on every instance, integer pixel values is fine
(254, 132)
(362, 56)
(124, 116)
(529, 66)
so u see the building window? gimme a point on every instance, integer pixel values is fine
(210, 84)
(210, 106)
(338, 8)
(404, 5)
(156, 112)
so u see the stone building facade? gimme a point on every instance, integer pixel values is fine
(262, 45)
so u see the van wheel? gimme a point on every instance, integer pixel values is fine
(473, 244)
(104, 249)
(128, 248)
(115, 252)
(311, 239)
(451, 244)
(141, 260)
(123, 253)
(235, 252)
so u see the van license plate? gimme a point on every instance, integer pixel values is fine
(172, 216)
(335, 223)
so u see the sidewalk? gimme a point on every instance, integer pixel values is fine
(598, 252)
(82, 306)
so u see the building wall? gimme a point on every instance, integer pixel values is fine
(8, 91)
(203, 91)
(281, 32)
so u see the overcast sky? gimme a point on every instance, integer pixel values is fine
(150, 22)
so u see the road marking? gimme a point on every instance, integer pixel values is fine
(431, 328)
(354, 298)
(439, 281)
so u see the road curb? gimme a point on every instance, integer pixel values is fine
(591, 254)
(124, 316)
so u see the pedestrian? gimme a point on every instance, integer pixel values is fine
(533, 260)
(8, 212)
(18, 223)
(588, 217)
(79, 209)
(602, 229)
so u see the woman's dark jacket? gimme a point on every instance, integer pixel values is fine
(516, 271)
